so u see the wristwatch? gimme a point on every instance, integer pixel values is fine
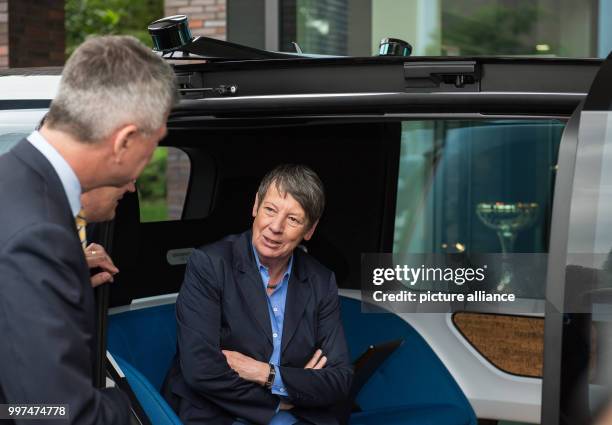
(271, 377)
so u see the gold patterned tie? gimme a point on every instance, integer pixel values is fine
(81, 223)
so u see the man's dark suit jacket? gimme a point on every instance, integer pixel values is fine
(47, 310)
(222, 305)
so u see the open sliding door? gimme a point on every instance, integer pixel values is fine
(578, 329)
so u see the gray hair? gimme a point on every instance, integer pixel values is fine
(300, 182)
(110, 81)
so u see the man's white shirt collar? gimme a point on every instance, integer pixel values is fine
(70, 182)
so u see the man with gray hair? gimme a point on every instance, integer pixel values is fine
(260, 338)
(108, 117)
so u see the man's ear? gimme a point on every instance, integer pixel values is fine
(121, 141)
(310, 231)
(255, 205)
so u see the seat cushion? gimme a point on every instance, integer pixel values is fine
(156, 408)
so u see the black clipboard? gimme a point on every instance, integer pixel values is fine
(364, 367)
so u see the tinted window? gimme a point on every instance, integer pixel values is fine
(476, 186)
(162, 186)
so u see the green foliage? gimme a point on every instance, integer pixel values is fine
(152, 188)
(98, 17)
(153, 211)
(494, 29)
(152, 181)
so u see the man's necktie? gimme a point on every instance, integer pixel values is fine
(81, 223)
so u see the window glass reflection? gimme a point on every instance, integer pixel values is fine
(476, 187)
(449, 27)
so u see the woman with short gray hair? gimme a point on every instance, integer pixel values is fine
(302, 183)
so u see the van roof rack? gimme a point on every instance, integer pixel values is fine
(220, 50)
(172, 34)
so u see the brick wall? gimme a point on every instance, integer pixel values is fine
(4, 46)
(177, 174)
(206, 17)
(31, 33)
(36, 33)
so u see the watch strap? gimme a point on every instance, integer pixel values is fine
(271, 377)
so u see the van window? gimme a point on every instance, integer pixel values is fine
(459, 179)
(17, 124)
(162, 186)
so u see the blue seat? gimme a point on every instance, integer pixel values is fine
(412, 387)
(418, 415)
(143, 343)
(156, 408)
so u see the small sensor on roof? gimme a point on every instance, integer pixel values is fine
(394, 47)
(170, 33)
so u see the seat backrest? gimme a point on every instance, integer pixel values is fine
(146, 339)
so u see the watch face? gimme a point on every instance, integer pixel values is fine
(271, 376)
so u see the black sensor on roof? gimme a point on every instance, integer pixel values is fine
(394, 47)
(170, 33)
